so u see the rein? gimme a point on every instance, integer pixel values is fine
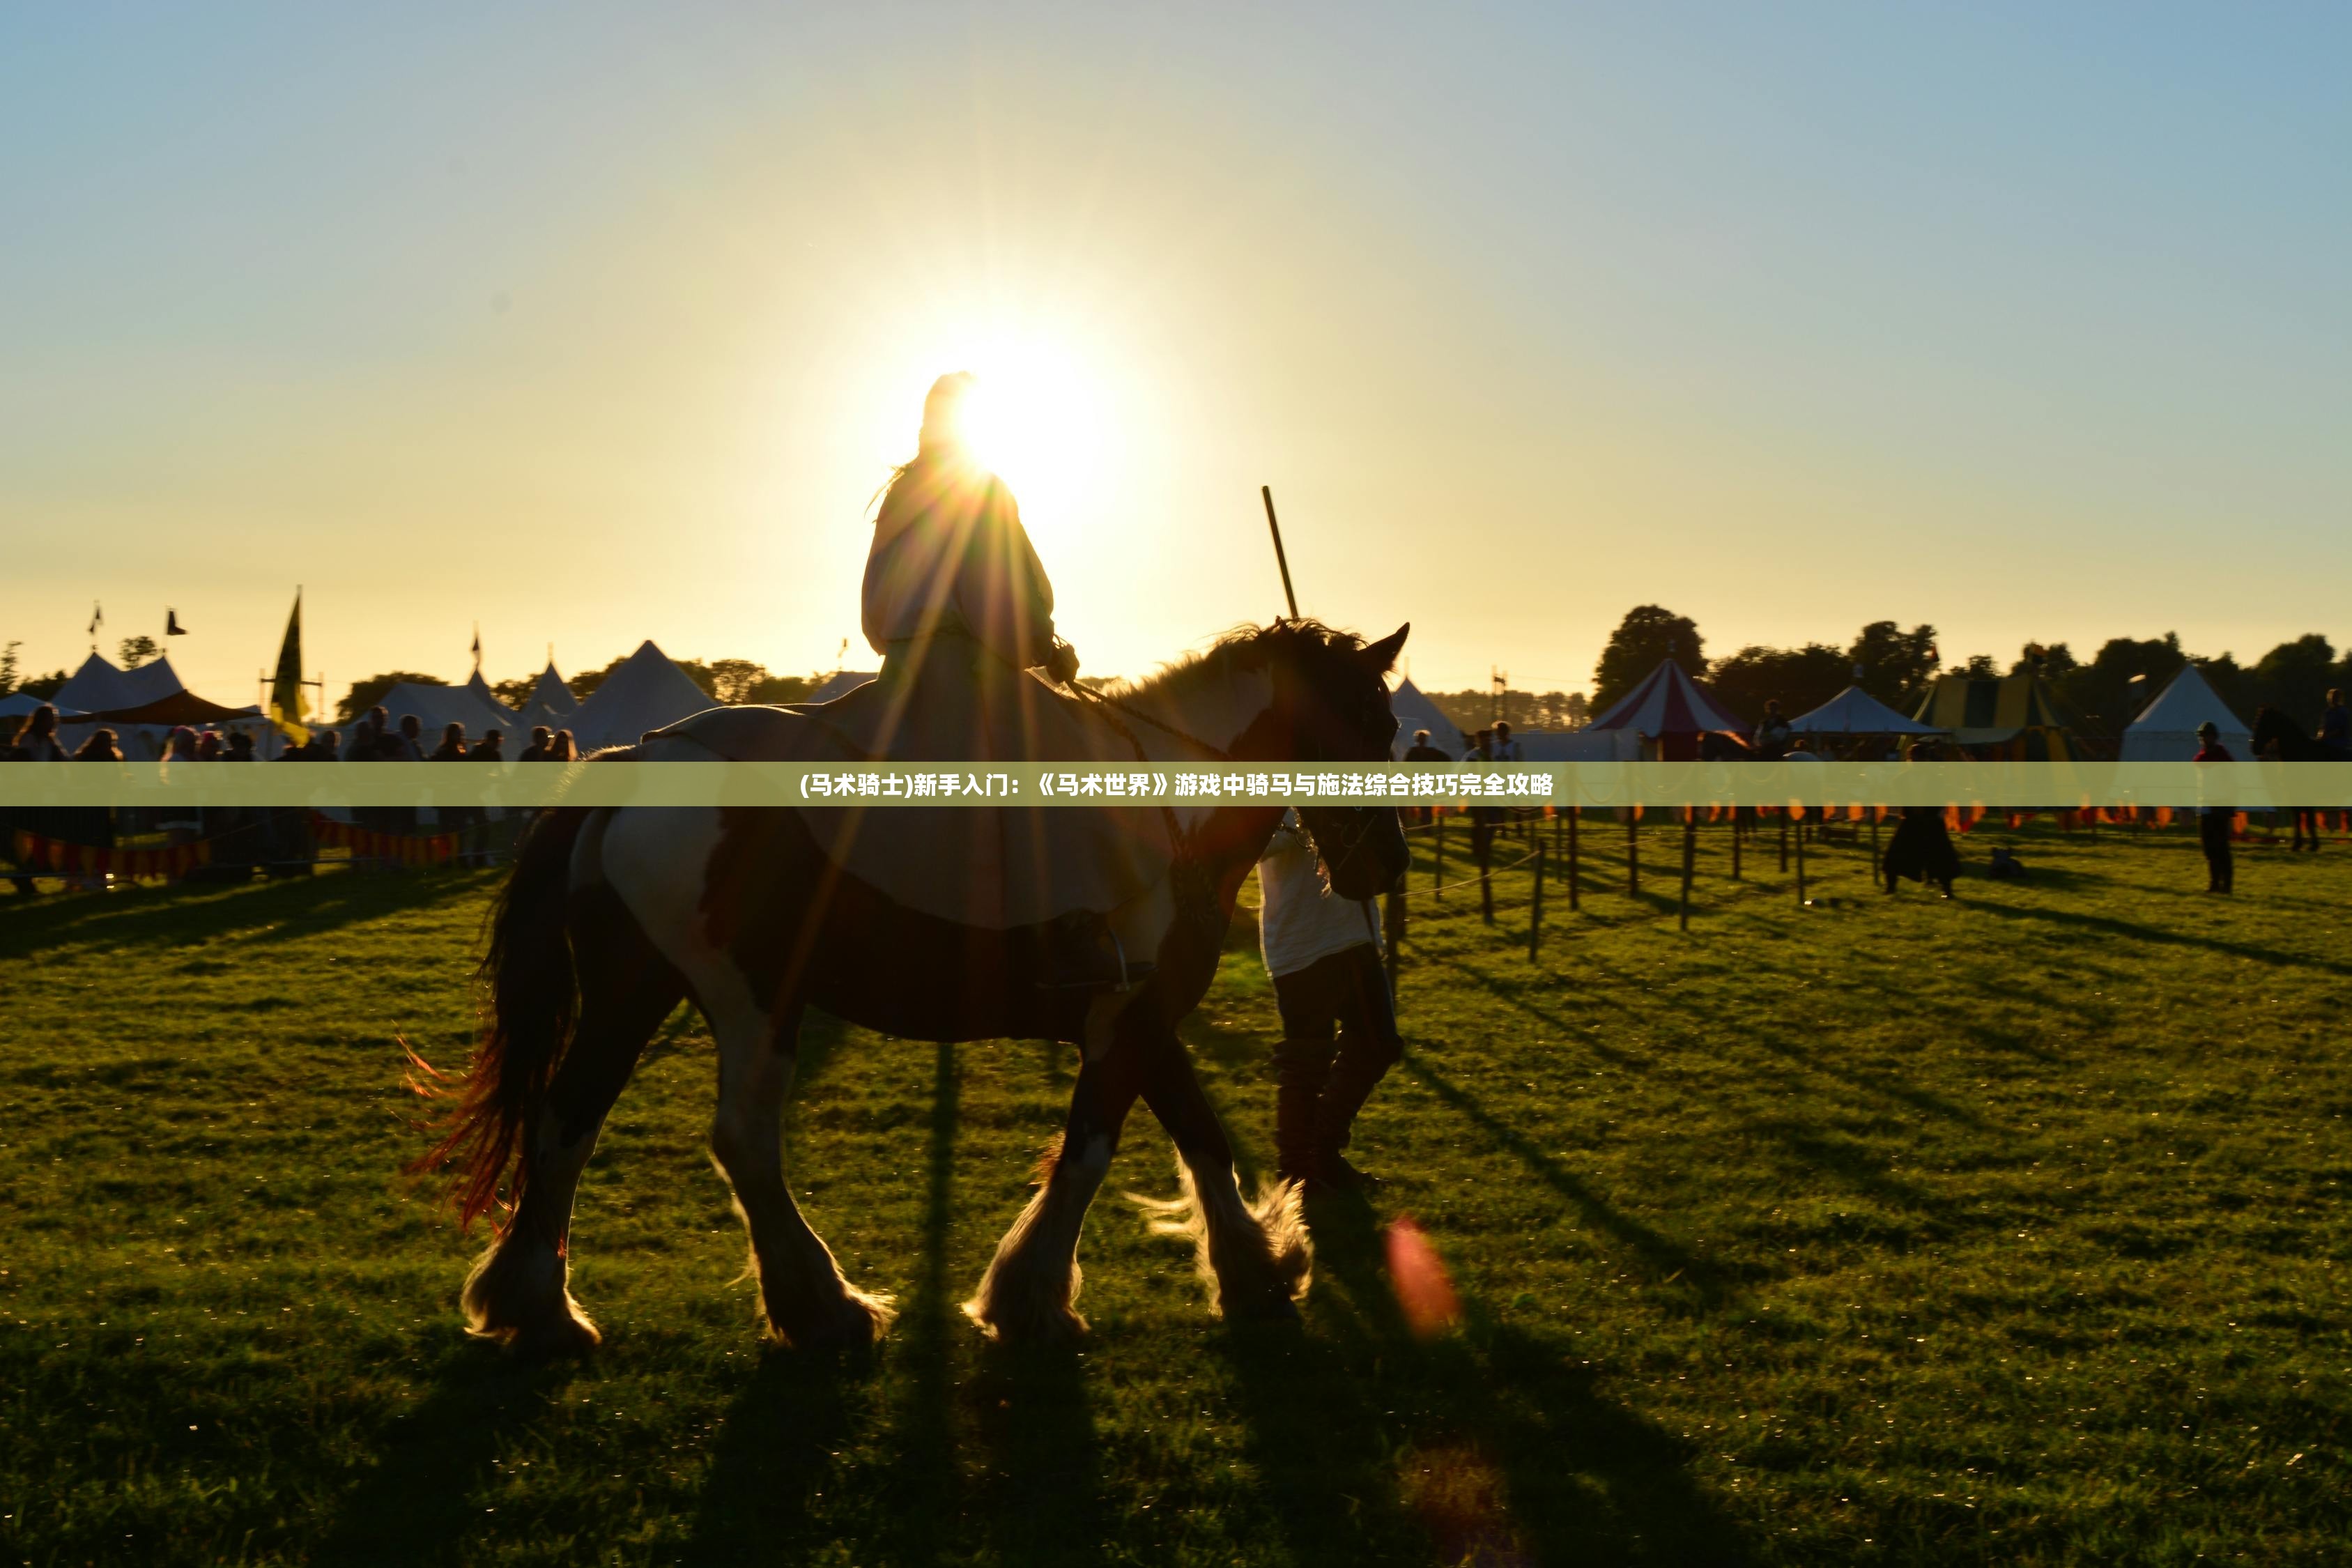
(1088, 694)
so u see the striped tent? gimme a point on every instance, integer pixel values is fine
(2015, 717)
(1669, 707)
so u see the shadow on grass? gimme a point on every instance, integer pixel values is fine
(422, 1499)
(263, 912)
(1665, 1259)
(784, 1433)
(1484, 1446)
(2132, 931)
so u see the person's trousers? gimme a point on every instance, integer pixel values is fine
(2213, 833)
(1338, 1040)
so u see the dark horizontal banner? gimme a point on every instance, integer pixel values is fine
(2037, 785)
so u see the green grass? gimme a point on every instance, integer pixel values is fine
(2008, 1230)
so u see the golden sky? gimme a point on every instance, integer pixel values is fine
(590, 325)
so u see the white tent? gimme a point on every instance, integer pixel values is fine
(493, 710)
(1854, 711)
(435, 708)
(1577, 745)
(550, 704)
(645, 691)
(1414, 710)
(98, 687)
(2166, 732)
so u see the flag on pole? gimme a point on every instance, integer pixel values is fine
(286, 708)
(97, 616)
(172, 626)
(477, 648)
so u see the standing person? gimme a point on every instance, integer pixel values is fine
(562, 748)
(1420, 751)
(37, 743)
(1338, 1029)
(93, 826)
(11, 726)
(537, 751)
(1503, 748)
(1771, 731)
(1482, 817)
(460, 820)
(2335, 724)
(2214, 822)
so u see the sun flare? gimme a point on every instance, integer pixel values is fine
(1045, 420)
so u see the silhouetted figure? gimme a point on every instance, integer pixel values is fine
(562, 748)
(1339, 1030)
(537, 751)
(2214, 822)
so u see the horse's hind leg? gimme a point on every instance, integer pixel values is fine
(1256, 1257)
(520, 1290)
(1032, 1285)
(803, 1296)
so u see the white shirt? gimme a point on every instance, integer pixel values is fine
(1509, 750)
(1301, 919)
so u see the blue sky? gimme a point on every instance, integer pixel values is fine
(594, 323)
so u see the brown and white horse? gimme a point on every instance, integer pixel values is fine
(612, 916)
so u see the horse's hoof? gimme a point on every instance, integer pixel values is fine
(570, 1338)
(855, 1325)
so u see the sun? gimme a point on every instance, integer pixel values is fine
(1044, 420)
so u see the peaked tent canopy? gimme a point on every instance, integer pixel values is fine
(550, 693)
(2017, 714)
(1854, 711)
(181, 707)
(98, 687)
(2166, 732)
(435, 709)
(495, 711)
(645, 691)
(1414, 710)
(1668, 706)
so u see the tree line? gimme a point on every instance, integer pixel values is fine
(1897, 665)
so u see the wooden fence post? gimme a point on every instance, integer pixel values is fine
(1575, 899)
(1535, 909)
(1438, 873)
(1739, 832)
(1800, 867)
(1632, 856)
(1393, 913)
(1784, 839)
(1486, 879)
(1690, 853)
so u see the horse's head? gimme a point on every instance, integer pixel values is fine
(2272, 727)
(1331, 705)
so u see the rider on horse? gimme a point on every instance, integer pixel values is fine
(960, 609)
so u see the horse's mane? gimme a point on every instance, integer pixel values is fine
(1243, 647)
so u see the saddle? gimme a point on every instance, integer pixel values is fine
(991, 866)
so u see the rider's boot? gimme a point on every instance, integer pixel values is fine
(1080, 951)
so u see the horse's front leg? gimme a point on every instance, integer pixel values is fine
(1256, 1257)
(1031, 1289)
(803, 1299)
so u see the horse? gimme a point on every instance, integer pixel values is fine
(2278, 736)
(612, 916)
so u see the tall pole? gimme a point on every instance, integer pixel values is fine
(1690, 853)
(1280, 559)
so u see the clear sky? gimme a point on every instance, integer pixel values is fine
(592, 323)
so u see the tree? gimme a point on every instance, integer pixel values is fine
(1576, 711)
(2051, 661)
(8, 667)
(2124, 677)
(516, 692)
(1896, 665)
(1979, 667)
(366, 694)
(2294, 677)
(1646, 636)
(138, 650)
(43, 686)
(1799, 679)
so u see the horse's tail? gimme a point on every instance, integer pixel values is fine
(534, 1000)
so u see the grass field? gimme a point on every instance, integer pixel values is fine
(2008, 1230)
